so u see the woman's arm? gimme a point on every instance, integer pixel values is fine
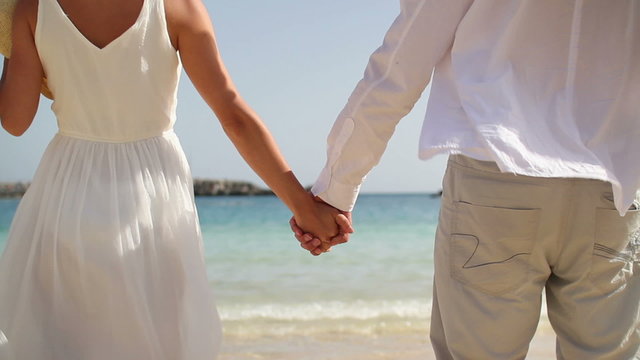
(192, 34)
(22, 74)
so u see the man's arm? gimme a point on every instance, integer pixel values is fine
(394, 80)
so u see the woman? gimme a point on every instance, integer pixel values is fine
(104, 260)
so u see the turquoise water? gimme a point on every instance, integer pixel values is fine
(266, 285)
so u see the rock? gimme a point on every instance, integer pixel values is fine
(13, 189)
(436, 194)
(205, 187)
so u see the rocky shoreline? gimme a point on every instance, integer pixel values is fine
(201, 187)
(17, 189)
(208, 187)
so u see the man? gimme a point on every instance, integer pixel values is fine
(537, 103)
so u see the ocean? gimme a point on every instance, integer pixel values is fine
(367, 299)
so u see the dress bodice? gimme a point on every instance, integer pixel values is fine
(122, 92)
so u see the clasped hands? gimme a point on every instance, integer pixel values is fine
(321, 227)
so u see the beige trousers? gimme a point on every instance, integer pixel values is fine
(503, 238)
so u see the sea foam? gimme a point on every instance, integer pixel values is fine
(325, 310)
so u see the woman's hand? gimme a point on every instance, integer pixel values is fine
(318, 219)
(317, 243)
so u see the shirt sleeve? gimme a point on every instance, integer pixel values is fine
(397, 74)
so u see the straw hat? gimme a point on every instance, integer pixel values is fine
(6, 14)
(7, 8)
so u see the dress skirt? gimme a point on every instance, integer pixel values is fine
(104, 258)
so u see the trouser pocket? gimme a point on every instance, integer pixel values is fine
(616, 249)
(490, 246)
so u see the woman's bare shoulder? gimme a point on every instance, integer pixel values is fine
(185, 12)
(176, 10)
(186, 16)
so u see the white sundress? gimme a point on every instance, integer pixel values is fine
(104, 258)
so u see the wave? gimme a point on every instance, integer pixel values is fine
(331, 319)
(326, 319)
(328, 310)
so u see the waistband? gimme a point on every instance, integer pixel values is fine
(493, 168)
(465, 161)
(122, 140)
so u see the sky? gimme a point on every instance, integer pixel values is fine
(296, 63)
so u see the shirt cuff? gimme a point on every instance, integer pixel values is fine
(341, 196)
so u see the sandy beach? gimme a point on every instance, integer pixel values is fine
(392, 347)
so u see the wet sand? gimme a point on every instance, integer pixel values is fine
(356, 347)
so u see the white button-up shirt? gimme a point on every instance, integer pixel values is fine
(544, 88)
